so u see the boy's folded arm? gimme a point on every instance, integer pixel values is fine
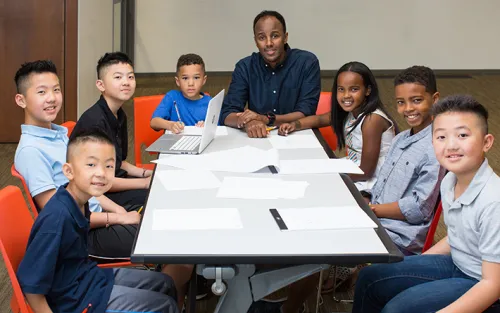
(38, 303)
(36, 171)
(419, 206)
(441, 247)
(109, 205)
(388, 210)
(101, 219)
(37, 268)
(158, 123)
(135, 171)
(482, 295)
(41, 199)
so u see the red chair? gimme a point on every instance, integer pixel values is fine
(16, 174)
(324, 106)
(70, 125)
(429, 239)
(15, 227)
(143, 133)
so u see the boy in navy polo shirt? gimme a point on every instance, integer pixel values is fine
(187, 106)
(56, 274)
(461, 273)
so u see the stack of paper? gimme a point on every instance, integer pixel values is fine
(197, 219)
(346, 217)
(318, 166)
(187, 179)
(294, 141)
(239, 160)
(261, 188)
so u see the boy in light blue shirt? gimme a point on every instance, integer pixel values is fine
(41, 154)
(44, 149)
(187, 106)
(461, 273)
(407, 187)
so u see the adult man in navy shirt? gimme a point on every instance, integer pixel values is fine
(280, 84)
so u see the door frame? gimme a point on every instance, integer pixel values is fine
(70, 60)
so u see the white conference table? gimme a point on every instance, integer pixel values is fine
(231, 255)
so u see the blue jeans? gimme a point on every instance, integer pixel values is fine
(421, 283)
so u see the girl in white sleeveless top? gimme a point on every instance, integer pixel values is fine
(354, 145)
(358, 120)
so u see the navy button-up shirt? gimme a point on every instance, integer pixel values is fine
(56, 263)
(293, 85)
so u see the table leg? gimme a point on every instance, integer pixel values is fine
(247, 286)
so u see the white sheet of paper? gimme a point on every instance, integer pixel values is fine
(197, 219)
(317, 166)
(345, 217)
(246, 159)
(294, 141)
(193, 130)
(187, 179)
(254, 188)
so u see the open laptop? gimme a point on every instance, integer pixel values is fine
(192, 144)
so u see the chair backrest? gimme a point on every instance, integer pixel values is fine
(324, 106)
(429, 240)
(18, 175)
(144, 108)
(70, 125)
(15, 227)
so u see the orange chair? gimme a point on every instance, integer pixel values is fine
(70, 125)
(324, 106)
(16, 174)
(15, 227)
(143, 133)
(429, 239)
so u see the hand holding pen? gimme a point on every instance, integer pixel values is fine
(177, 127)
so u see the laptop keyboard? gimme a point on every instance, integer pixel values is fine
(187, 143)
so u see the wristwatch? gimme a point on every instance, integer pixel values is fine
(271, 117)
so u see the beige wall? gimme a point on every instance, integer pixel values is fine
(385, 34)
(95, 37)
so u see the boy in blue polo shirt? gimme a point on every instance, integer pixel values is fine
(56, 274)
(41, 154)
(187, 106)
(407, 187)
(461, 273)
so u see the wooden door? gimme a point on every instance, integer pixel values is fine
(33, 30)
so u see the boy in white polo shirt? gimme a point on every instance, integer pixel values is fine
(461, 273)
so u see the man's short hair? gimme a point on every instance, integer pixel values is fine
(109, 59)
(421, 75)
(87, 135)
(266, 13)
(190, 59)
(24, 72)
(462, 104)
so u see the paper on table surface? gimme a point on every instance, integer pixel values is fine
(316, 166)
(193, 130)
(261, 188)
(294, 141)
(197, 219)
(246, 159)
(187, 179)
(322, 218)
